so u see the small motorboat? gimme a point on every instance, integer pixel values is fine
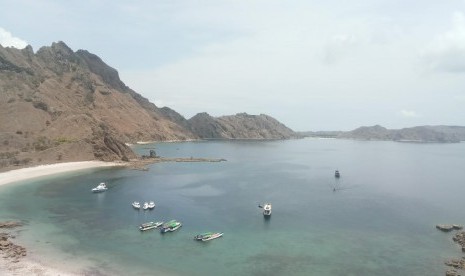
(170, 226)
(100, 188)
(136, 205)
(150, 225)
(337, 174)
(145, 206)
(212, 237)
(267, 209)
(199, 237)
(151, 205)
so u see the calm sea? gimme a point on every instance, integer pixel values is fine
(379, 221)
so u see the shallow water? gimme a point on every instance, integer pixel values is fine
(379, 221)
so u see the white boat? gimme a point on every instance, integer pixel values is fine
(146, 206)
(202, 236)
(151, 205)
(100, 188)
(150, 225)
(136, 204)
(212, 237)
(267, 209)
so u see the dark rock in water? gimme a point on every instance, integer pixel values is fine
(10, 224)
(457, 227)
(445, 227)
(460, 238)
(452, 272)
(456, 263)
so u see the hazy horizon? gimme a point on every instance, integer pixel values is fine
(329, 65)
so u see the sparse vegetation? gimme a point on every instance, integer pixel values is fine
(62, 140)
(41, 143)
(40, 105)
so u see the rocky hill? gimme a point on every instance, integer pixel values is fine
(425, 134)
(58, 105)
(239, 126)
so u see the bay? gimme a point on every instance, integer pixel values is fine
(379, 220)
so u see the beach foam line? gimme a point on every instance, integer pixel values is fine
(51, 169)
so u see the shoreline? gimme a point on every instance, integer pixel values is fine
(22, 174)
(32, 264)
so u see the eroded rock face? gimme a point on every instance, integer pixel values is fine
(8, 249)
(108, 148)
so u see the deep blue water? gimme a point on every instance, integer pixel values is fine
(379, 221)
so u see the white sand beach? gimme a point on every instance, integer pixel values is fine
(44, 170)
(32, 265)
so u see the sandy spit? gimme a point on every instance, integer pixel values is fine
(45, 170)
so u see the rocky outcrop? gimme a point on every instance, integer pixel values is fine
(8, 249)
(96, 65)
(448, 227)
(206, 126)
(10, 224)
(456, 263)
(460, 239)
(239, 126)
(452, 272)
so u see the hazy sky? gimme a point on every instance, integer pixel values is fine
(313, 65)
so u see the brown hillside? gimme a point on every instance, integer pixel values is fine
(58, 105)
(63, 105)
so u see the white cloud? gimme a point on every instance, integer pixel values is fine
(409, 114)
(338, 46)
(8, 40)
(447, 52)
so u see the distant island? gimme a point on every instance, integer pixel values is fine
(57, 105)
(420, 134)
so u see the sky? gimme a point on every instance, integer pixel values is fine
(313, 65)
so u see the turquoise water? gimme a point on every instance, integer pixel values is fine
(379, 221)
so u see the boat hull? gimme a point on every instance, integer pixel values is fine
(170, 229)
(150, 226)
(212, 237)
(267, 210)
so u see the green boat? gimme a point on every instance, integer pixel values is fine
(170, 226)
